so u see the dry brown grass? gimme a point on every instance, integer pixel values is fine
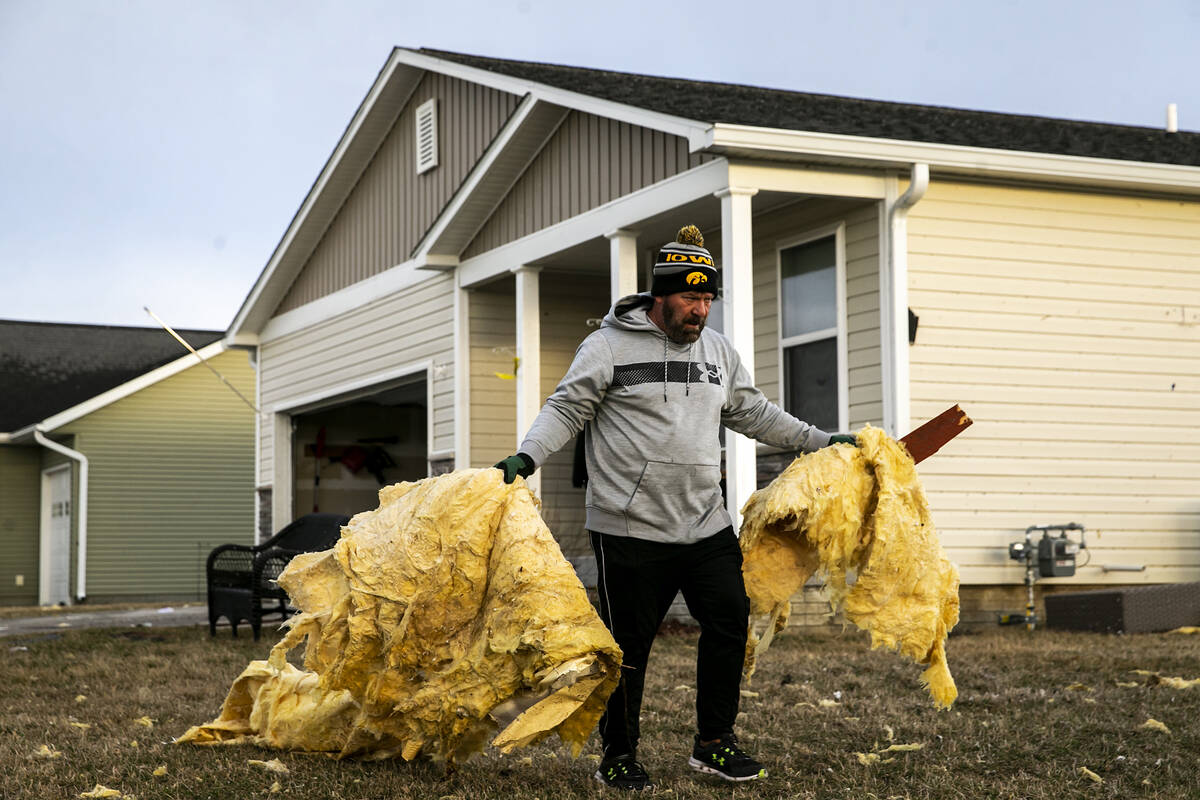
(1017, 731)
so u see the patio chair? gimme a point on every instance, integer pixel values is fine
(241, 578)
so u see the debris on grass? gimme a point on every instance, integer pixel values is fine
(1186, 629)
(145, 722)
(827, 703)
(683, 687)
(83, 726)
(1091, 776)
(867, 759)
(160, 771)
(81, 698)
(101, 790)
(888, 732)
(748, 693)
(274, 765)
(1154, 725)
(1128, 684)
(46, 751)
(1079, 687)
(902, 748)
(275, 788)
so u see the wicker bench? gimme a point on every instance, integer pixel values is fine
(1126, 609)
(241, 579)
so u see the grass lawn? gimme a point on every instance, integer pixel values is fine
(1033, 710)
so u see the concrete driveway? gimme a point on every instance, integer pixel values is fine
(160, 617)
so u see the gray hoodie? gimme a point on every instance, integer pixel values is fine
(653, 411)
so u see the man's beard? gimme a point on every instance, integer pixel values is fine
(676, 331)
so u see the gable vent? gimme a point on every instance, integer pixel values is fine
(427, 152)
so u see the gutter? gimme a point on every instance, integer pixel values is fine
(897, 388)
(81, 556)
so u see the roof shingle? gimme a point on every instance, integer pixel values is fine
(48, 367)
(822, 113)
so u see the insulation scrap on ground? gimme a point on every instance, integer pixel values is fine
(847, 512)
(440, 618)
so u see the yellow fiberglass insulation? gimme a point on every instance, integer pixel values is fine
(857, 511)
(440, 618)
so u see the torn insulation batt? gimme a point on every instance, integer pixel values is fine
(858, 515)
(444, 617)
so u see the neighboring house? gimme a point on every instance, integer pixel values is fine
(123, 461)
(882, 261)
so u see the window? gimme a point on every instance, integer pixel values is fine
(427, 151)
(811, 330)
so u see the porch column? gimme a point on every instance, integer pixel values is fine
(529, 365)
(283, 485)
(737, 278)
(622, 262)
(462, 375)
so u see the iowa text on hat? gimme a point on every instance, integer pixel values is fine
(686, 257)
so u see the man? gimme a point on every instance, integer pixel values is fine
(652, 389)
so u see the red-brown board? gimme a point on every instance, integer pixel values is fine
(929, 438)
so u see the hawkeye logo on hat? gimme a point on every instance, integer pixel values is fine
(687, 257)
(694, 278)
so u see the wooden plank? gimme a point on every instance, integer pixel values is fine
(930, 437)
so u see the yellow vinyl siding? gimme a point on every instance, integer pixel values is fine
(567, 301)
(171, 477)
(1068, 326)
(20, 528)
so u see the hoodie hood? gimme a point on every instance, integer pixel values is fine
(630, 314)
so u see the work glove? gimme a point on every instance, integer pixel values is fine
(844, 438)
(520, 464)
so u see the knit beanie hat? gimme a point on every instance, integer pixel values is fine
(685, 266)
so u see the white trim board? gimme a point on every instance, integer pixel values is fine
(623, 212)
(44, 522)
(958, 159)
(347, 391)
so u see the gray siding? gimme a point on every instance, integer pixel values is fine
(20, 533)
(407, 327)
(589, 161)
(392, 207)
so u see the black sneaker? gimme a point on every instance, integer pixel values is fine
(724, 758)
(623, 772)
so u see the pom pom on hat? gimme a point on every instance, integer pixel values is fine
(690, 234)
(685, 266)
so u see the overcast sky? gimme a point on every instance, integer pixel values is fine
(153, 153)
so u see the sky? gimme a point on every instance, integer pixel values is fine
(153, 153)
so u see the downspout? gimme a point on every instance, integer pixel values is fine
(81, 556)
(897, 387)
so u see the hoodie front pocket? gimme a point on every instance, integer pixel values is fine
(671, 495)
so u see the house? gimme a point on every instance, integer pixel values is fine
(882, 261)
(123, 461)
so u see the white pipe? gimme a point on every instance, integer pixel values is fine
(1172, 118)
(897, 390)
(81, 557)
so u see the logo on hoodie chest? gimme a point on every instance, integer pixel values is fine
(625, 375)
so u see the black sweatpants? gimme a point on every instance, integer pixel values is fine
(638, 580)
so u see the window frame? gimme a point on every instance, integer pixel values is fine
(838, 231)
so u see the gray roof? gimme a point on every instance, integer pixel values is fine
(48, 367)
(822, 113)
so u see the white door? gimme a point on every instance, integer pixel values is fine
(55, 574)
